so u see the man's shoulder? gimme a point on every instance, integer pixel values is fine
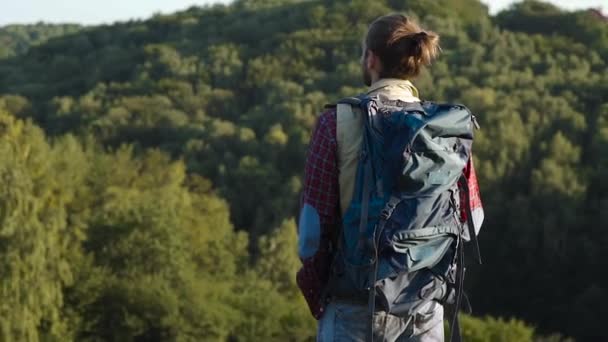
(327, 119)
(328, 113)
(334, 115)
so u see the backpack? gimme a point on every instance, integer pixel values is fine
(401, 239)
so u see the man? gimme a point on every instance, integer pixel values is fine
(395, 50)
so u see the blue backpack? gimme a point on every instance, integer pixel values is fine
(401, 240)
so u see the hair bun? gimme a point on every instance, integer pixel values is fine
(402, 46)
(420, 37)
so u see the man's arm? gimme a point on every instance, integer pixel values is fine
(319, 215)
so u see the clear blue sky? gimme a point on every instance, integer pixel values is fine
(108, 11)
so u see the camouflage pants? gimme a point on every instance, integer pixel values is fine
(344, 322)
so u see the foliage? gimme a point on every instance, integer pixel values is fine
(492, 329)
(17, 39)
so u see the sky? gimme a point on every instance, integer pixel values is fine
(92, 12)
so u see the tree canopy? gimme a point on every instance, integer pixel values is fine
(150, 170)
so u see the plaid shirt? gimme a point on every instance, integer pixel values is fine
(321, 189)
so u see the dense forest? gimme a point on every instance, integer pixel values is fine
(150, 170)
(15, 40)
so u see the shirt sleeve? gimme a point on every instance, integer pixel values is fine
(474, 196)
(320, 195)
(319, 214)
(321, 170)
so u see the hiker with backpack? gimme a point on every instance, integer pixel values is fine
(390, 195)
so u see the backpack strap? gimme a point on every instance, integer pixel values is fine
(353, 101)
(366, 191)
(349, 136)
(367, 168)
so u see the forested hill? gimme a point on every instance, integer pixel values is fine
(17, 39)
(150, 170)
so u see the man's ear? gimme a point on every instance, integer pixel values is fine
(368, 58)
(372, 62)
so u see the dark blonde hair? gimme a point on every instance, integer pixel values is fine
(401, 45)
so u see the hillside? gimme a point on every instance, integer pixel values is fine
(17, 39)
(183, 137)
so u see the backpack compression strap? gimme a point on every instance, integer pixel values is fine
(371, 301)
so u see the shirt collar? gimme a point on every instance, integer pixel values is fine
(397, 87)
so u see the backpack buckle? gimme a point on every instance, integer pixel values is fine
(390, 206)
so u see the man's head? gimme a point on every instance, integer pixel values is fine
(396, 47)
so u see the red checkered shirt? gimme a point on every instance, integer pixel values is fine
(321, 191)
(321, 186)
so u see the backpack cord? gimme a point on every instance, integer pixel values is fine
(371, 301)
(367, 174)
(455, 335)
(363, 224)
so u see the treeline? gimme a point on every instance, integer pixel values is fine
(17, 39)
(163, 135)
